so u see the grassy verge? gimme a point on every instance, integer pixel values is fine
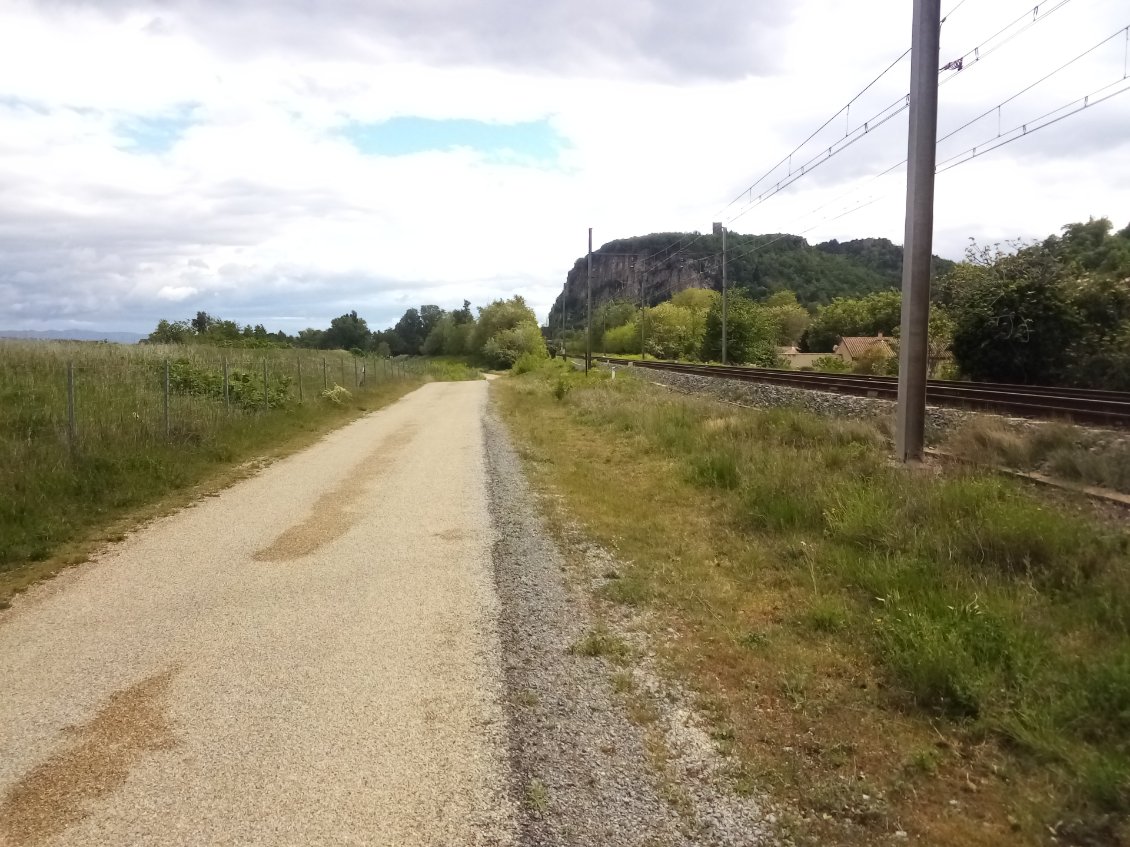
(1059, 450)
(65, 489)
(938, 652)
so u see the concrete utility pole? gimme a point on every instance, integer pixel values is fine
(588, 310)
(724, 292)
(918, 245)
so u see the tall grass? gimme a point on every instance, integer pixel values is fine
(980, 604)
(125, 447)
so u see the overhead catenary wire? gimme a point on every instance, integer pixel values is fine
(994, 43)
(1030, 17)
(1043, 79)
(1036, 124)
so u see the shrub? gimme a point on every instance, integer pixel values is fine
(527, 363)
(337, 395)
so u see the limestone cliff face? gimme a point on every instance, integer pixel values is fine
(620, 274)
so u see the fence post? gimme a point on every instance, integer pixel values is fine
(266, 397)
(168, 424)
(227, 386)
(343, 373)
(356, 375)
(71, 429)
(300, 381)
(325, 375)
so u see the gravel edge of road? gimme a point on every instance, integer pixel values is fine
(586, 772)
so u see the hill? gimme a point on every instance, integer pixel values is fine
(654, 267)
(72, 335)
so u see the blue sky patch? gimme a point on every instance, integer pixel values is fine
(531, 140)
(153, 135)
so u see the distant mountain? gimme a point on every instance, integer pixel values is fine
(72, 335)
(653, 267)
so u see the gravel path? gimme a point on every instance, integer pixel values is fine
(370, 642)
(308, 658)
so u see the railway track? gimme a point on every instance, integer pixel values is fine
(1082, 405)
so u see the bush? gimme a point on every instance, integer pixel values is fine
(831, 364)
(527, 363)
(337, 395)
(503, 349)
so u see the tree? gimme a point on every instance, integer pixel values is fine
(464, 315)
(202, 323)
(791, 318)
(390, 339)
(750, 333)
(346, 332)
(429, 316)
(504, 348)
(410, 330)
(310, 338)
(671, 331)
(170, 333)
(501, 315)
(1013, 321)
(876, 313)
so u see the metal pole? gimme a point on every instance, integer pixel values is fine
(299, 380)
(724, 293)
(588, 311)
(168, 428)
(325, 375)
(266, 390)
(356, 375)
(918, 244)
(343, 373)
(72, 431)
(227, 386)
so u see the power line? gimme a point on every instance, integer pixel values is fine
(843, 110)
(1028, 128)
(1045, 78)
(884, 115)
(874, 122)
(977, 53)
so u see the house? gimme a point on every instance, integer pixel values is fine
(855, 347)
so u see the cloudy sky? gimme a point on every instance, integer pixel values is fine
(283, 161)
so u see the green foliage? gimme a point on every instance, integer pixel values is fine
(831, 364)
(346, 332)
(877, 313)
(976, 598)
(506, 346)
(125, 454)
(1050, 313)
(623, 339)
(751, 333)
(527, 363)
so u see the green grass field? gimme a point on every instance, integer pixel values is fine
(946, 633)
(66, 476)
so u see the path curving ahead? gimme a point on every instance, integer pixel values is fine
(309, 657)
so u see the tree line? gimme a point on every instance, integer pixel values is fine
(1050, 312)
(498, 335)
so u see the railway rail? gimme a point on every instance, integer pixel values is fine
(1082, 405)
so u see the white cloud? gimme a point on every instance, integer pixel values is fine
(260, 208)
(176, 293)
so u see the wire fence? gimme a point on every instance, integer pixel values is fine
(83, 395)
